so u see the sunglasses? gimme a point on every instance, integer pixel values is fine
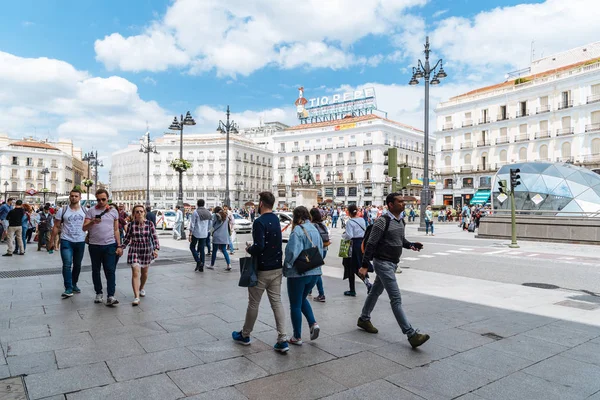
(101, 199)
(139, 211)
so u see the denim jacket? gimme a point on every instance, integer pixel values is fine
(298, 242)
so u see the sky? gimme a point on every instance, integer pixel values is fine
(100, 72)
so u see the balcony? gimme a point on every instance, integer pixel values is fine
(53, 165)
(318, 147)
(447, 147)
(482, 143)
(351, 162)
(211, 158)
(295, 149)
(329, 163)
(565, 159)
(593, 98)
(542, 135)
(591, 159)
(236, 159)
(524, 137)
(340, 163)
(367, 142)
(281, 166)
(467, 122)
(40, 163)
(466, 168)
(306, 148)
(565, 104)
(350, 180)
(447, 127)
(446, 170)
(565, 131)
(484, 167)
(295, 165)
(502, 117)
(466, 145)
(156, 173)
(502, 140)
(543, 109)
(522, 113)
(367, 160)
(328, 146)
(317, 164)
(592, 128)
(170, 171)
(448, 186)
(484, 121)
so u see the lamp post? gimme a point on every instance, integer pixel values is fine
(178, 126)
(5, 190)
(425, 71)
(238, 185)
(227, 127)
(147, 146)
(45, 172)
(92, 160)
(332, 175)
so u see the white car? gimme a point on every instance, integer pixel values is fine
(285, 221)
(165, 219)
(241, 224)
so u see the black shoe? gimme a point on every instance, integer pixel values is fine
(6, 255)
(418, 339)
(199, 266)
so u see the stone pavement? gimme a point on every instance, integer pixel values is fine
(489, 341)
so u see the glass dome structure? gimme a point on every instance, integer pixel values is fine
(562, 188)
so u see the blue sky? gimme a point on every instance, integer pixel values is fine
(97, 71)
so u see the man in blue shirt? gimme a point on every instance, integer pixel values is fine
(4, 209)
(267, 253)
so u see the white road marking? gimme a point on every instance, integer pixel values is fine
(467, 249)
(411, 258)
(455, 251)
(566, 258)
(426, 256)
(514, 253)
(496, 252)
(532, 255)
(441, 254)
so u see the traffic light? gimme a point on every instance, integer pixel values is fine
(405, 177)
(514, 178)
(502, 187)
(391, 161)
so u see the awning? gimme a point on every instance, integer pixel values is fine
(481, 197)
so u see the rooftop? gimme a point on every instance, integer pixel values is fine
(33, 144)
(350, 120)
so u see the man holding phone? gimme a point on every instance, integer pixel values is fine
(384, 248)
(102, 225)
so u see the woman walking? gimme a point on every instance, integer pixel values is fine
(303, 236)
(143, 249)
(355, 231)
(220, 237)
(317, 222)
(428, 221)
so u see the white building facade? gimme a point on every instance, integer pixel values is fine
(552, 114)
(346, 157)
(250, 171)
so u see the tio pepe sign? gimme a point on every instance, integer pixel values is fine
(363, 94)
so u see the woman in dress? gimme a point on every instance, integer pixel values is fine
(355, 231)
(220, 237)
(143, 249)
(303, 236)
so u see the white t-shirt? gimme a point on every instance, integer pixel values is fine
(72, 224)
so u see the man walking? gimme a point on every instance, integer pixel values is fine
(384, 247)
(151, 216)
(69, 222)
(15, 228)
(44, 227)
(198, 234)
(4, 209)
(267, 253)
(102, 224)
(178, 223)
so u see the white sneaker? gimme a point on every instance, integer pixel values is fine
(98, 298)
(314, 332)
(111, 302)
(136, 302)
(142, 293)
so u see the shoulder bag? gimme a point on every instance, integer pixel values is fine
(310, 258)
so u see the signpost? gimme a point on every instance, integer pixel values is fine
(338, 106)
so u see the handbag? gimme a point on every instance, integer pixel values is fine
(248, 276)
(345, 248)
(310, 258)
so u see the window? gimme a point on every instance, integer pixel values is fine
(544, 152)
(15, 161)
(447, 161)
(29, 162)
(566, 122)
(566, 150)
(503, 132)
(502, 115)
(282, 147)
(522, 109)
(596, 146)
(468, 182)
(467, 159)
(523, 154)
(448, 183)
(485, 181)
(503, 156)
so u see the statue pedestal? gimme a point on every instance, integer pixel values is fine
(306, 197)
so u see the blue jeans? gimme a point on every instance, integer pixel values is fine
(208, 243)
(334, 221)
(217, 247)
(197, 249)
(71, 254)
(428, 225)
(386, 279)
(105, 256)
(320, 280)
(298, 289)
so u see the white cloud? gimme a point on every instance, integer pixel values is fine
(240, 37)
(27, 24)
(150, 81)
(207, 117)
(439, 13)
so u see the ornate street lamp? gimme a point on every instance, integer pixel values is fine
(5, 190)
(93, 161)
(147, 147)
(226, 128)
(45, 172)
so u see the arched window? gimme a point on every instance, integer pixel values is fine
(544, 152)
(503, 156)
(523, 154)
(596, 146)
(447, 161)
(566, 150)
(14, 186)
(467, 159)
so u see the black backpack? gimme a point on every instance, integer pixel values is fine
(387, 218)
(324, 234)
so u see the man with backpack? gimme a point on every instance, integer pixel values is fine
(44, 227)
(383, 245)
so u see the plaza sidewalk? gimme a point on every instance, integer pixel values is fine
(488, 341)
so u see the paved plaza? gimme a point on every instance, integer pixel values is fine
(489, 340)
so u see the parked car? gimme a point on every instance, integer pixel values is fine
(165, 219)
(285, 221)
(241, 224)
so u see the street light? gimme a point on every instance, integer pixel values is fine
(331, 175)
(239, 184)
(45, 172)
(178, 126)
(227, 127)
(147, 146)
(93, 161)
(5, 190)
(424, 71)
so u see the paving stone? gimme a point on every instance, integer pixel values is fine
(4, 371)
(359, 369)
(469, 396)
(404, 354)
(13, 389)
(524, 386)
(349, 343)
(176, 339)
(137, 330)
(228, 393)
(527, 347)
(504, 328)
(67, 380)
(138, 366)
(100, 350)
(297, 357)
(586, 352)
(312, 385)
(148, 316)
(561, 335)
(442, 380)
(189, 323)
(226, 348)
(48, 343)
(158, 387)
(26, 311)
(492, 360)
(376, 390)
(8, 335)
(29, 364)
(207, 377)
(57, 397)
(582, 377)
(459, 340)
